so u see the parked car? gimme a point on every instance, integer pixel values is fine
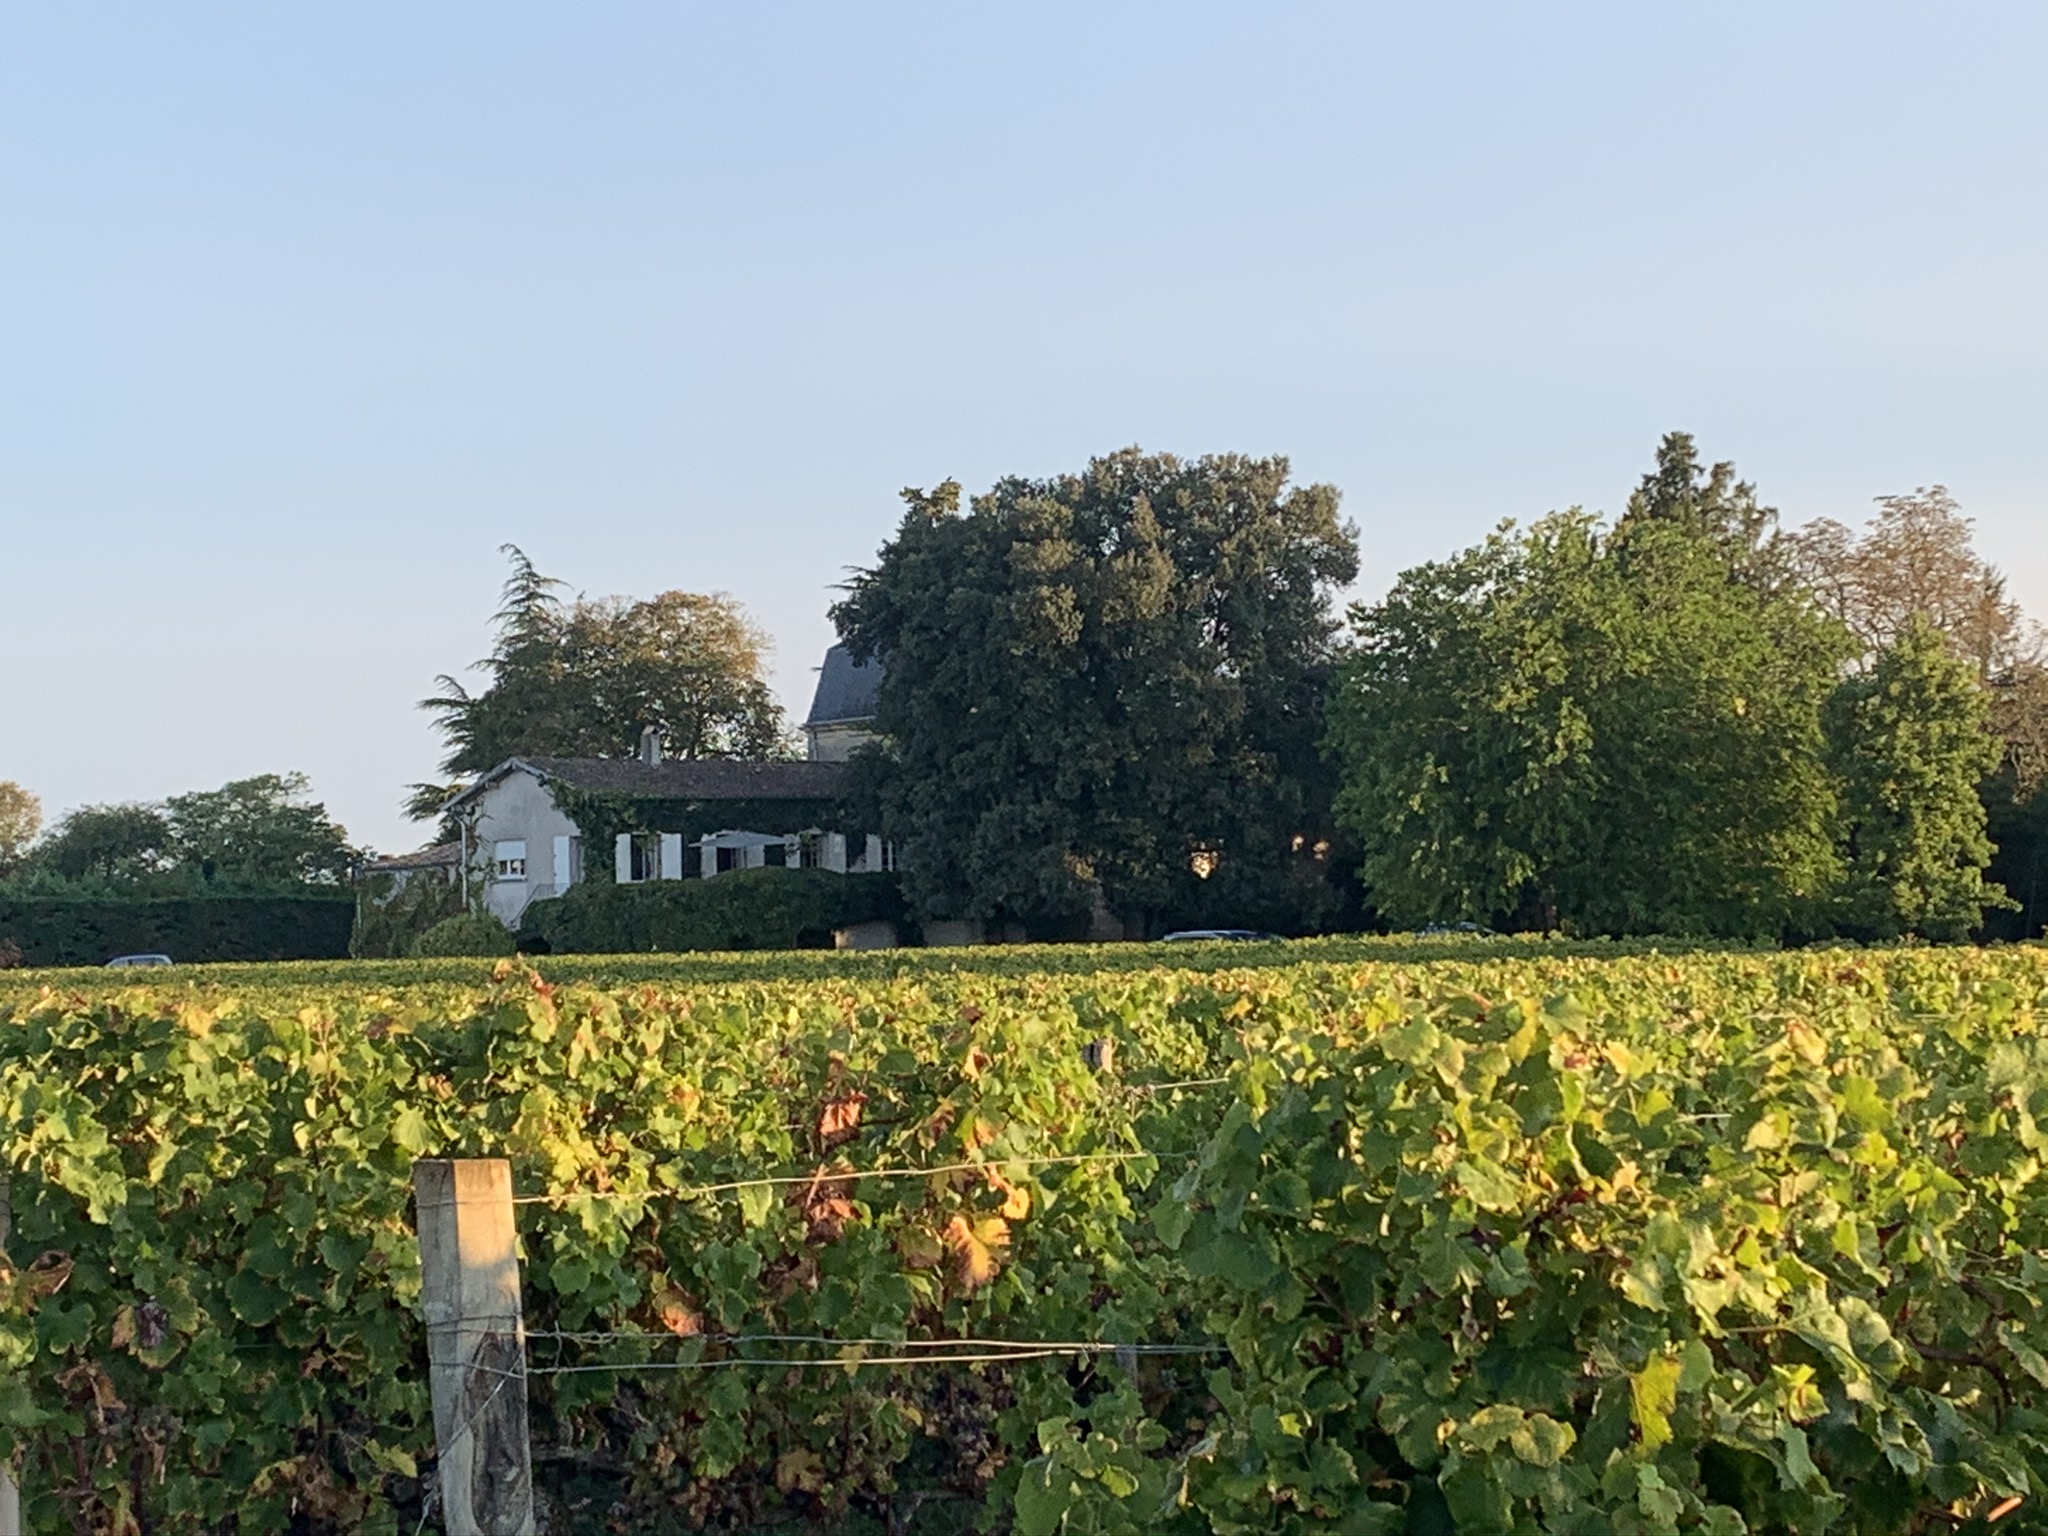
(1211, 935)
(127, 962)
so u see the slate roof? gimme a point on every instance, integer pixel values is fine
(846, 689)
(679, 779)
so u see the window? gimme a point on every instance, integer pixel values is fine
(775, 855)
(646, 858)
(509, 856)
(810, 850)
(730, 859)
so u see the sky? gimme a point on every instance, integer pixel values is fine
(304, 312)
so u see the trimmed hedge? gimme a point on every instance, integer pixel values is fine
(56, 931)
(747, 909)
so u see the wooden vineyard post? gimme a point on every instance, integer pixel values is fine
(476, 1344)
(10, 1494)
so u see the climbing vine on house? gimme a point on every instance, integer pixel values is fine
(601, 817)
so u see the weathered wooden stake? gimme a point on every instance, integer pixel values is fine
(10, 1495)
(476, 1344)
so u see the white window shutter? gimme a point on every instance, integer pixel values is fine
(622, 858)
(671, 855)
(562, 872)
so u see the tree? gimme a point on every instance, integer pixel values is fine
(583, 679)
(21, 818)
(1911, 745)
(250, 833)
(1914, 560)
(260, 830)
(1103, 692)
(118, 843)
(1599, 731)
(1713, 506)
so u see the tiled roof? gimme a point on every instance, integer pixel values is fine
(440, 856)
(846, 689)
(701, 779)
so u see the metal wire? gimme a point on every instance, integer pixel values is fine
(828, 1176)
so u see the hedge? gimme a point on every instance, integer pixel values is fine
(55, 931)
(747, 909)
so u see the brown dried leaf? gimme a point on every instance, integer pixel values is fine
(678, 1315)
(46, 1275)
(840, 1118)
(799, 1471)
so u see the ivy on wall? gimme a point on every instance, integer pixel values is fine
(601, 816)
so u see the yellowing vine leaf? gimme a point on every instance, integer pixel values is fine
(1016, 1201)
(975, 1245)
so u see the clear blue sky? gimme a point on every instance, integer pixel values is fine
(305, 314)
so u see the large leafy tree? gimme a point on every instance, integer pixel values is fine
(583, 678)
(1103, 692)
(1911, 746)
(1915, 563)
(113, 843)
(1616, 731)
(260, 832)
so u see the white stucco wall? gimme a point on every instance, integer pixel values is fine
(836, 743)
(519, 806)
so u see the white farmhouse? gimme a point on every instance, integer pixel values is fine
(689, 819)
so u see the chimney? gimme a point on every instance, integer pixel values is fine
(650, 746)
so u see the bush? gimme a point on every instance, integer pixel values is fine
(91, 931)
(391, 917)
(467, 933)
(747, 909)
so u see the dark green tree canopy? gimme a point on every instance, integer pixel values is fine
(250, 834)
(1098, 683)
(583, 678)
(105, 842)
(262, 829)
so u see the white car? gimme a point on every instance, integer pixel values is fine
(126, 962)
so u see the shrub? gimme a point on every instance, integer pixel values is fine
(391, 917)
(747, 909)
(467, 933)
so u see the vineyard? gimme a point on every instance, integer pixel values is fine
(1361, 1236)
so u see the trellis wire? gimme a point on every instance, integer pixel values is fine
(834, 1175)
